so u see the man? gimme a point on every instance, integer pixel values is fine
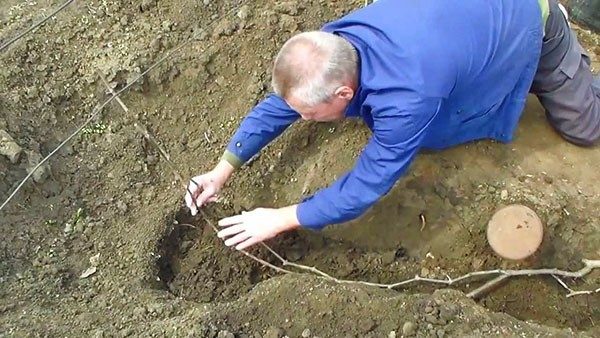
(421, 74)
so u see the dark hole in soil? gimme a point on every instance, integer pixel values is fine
(194, 263)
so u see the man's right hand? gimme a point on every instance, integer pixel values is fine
(205, 188)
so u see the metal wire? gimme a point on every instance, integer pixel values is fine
(19, 36)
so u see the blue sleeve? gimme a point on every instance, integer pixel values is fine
(400, 122)
(263, 124)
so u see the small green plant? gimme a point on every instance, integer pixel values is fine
(96, 128)
(72, 223)
(79, 215)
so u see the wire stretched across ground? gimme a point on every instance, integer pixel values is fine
(99, 109)
(22, 34)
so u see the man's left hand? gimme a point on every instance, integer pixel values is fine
(257, 225)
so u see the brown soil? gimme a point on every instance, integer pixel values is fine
(109, 193)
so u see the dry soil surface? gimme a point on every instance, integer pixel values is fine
(108, 205)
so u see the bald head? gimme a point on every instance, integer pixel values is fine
(312, 65)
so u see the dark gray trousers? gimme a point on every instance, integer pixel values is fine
(564, 83)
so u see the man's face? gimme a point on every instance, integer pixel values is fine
(331, 110)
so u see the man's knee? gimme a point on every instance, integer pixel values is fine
(583, 131)
(583, 141)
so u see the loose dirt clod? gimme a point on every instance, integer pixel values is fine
(8, 147)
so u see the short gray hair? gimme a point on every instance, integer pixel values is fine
(312, 65)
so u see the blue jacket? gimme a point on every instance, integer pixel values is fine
(433, 74)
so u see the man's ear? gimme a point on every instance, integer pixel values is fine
(345, 93)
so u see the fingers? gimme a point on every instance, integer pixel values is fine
(205, 195)
(191, 204)
(231, 220)
(190, 197)
(232, 230)
(248, 243)
(199, 193)
(242, 236)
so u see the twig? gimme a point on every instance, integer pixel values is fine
(573, 292)
(312, 269)
(19, 36)
(185, 225)
(112, 91)
(487, 287)
(97, 110)
(561, 282)
(423, 221)
(151, 139)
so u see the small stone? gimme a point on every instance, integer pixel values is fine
(424, 272)
(167, 26)
(448, 312)
(42, 172)
(274, 332)
(68, 228)
(428, 309)
(88, 272)
(440, 333)
(504, 195)
(392, 334)
(225, 28)
(477, 263)
(225, 334)
(95, 260)
(306, 333)
(122, 206)
(244, 12)
(9, 148)
(126, 332)
(441, 321)
(290, 8)
(430, 318)
(409, 328)
(155, 308)
(221, 81)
